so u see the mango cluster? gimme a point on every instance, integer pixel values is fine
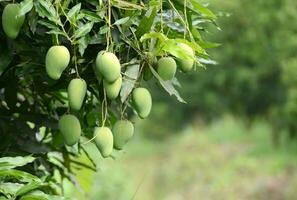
(109, 67)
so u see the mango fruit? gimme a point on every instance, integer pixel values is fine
(11, 21)
(123, 131)
(166, 68)
(70, 128)
(186, 65)
(104, 140)
(142, 102)
(77, 90)
(56, 61)
(109, 66)
(113, 89)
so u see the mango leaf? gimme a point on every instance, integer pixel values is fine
(25, 7)
(156, 35)
(91, 16)
(146, 22)
(121, 21)
(129, 81)
(83, 30)
(21, 176)
(202, 9)
(5, 59)
(28, 187)
(168, 86)
(125, 5)
(83, 44)
(172, 47)
(10, 189)
(12, 162)
(48, 24)
(194, 45)
(46, 9)
(39, 195)
(74, 11)
(195, 7)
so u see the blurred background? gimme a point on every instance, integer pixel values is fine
(236, 138)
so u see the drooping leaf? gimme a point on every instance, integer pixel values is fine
(168, 86)
(129, 81)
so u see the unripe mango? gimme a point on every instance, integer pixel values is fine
(104, 140)
(11, 21)
(122, 131)
(142, 102)
(77, 90)
(113, 89)
(186, 65)
(166, 68)
(56, 61)
(70, 128)
(109, 66)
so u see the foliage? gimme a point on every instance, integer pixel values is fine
(32, 103)
(255, 74)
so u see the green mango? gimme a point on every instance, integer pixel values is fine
(142, 102)
(77, 90)
(113, 89)
(186, 65)
(104, 140)
(108, 65)
(11, 21)
(123, 131)
(166, 68)
(56, 61)
(70, 128)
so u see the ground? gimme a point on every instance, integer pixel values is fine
(224, 160)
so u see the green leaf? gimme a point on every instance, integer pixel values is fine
(10, 189)
(39, 195)
(48, 24)
(121, 21)
(83, 44)
(83, 30)
(172, 47)
(202, 9)
(12, 162)
(21, 176)
(146, 22)
(125, 5)
(25, 7)
(46, 9)
(74, 11)
(5, 59)
(156, 35)
(196, 47)
(168, 86)
(91, 16)
(28, 187)
(129, 81)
